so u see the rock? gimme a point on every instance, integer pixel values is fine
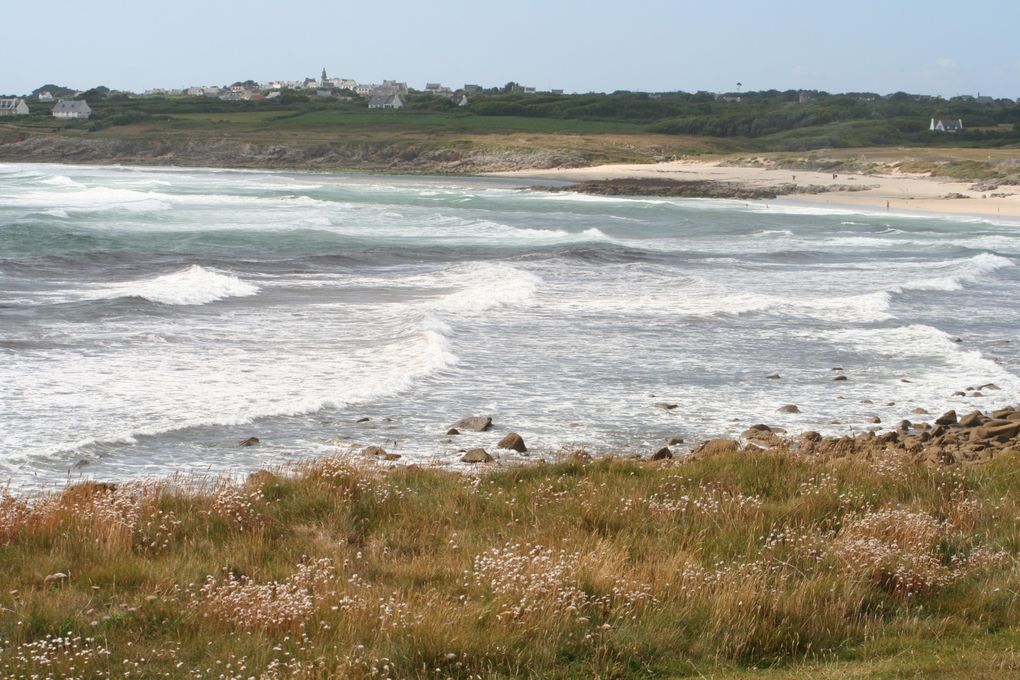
(904, 425)
(250, 441)
(473, 424)
(662, 454)
(774, 376)
(957, 340)
(373, 452)
(81, 463)
(972, 419)
(512, 441)
(362, 420)
(976, 394)
(947, 418)
(990, 386)
(716, 446)
(904, 380)
(958, 393)
(837, 368)
(867, 401)
(1002, 433)
(477, 456)
(453, 431)
(673, 441)
(392, 456)
(920, 411)
(788, 408)
(811, 436)
(874, 419)
(840, 378)
(760, 427)
(665, 405)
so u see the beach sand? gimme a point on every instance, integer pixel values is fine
(893, 192)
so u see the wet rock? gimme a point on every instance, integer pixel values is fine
(840, 378)
(972, 419)
(874, 419)
(477, 456)
(920, 411)
(947, 418)
(662, 454)
(976, 394)
(250, 441)
(716, 446)
(665, 405)
(673, 441)
(453, 431)
(774, 376)
(364, 419)
(837, 368)
(373, 452)
(512, 441)
(867, 401)
(958, 393)
(473, 424)
(990, 386)
(904, 425)
(788, 408)
(811, 436)
(392, 456)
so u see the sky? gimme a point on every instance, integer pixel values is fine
(933, 47)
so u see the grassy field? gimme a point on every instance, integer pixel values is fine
(732, 565)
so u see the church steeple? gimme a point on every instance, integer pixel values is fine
(324, 75)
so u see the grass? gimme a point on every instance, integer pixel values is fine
(767, 564)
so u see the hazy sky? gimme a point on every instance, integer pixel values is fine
(935, 47)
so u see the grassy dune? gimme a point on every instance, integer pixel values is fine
(737, 564)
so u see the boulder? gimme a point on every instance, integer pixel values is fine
(947, 418)
(473, 424)
(373, 452)
(840, 378)
(666, 406)
(392, 456)
(874, 419)
(811, 436)
(673, 441)
(453, 431)
(476, 456)
(920, 411)
(250, 441)
(662, 454)
(364, 419)
(905, 425)
(990, 386)
(774, 376)
(716, 446)
(788, 408)
(972, 419)
(512, 441)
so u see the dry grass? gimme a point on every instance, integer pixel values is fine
(713, 567)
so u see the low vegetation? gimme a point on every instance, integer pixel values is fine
(730, 564)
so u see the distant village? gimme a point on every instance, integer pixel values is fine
(390, 94)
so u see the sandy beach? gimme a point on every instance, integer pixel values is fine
(895, 192)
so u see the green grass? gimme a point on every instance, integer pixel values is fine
(735, 565)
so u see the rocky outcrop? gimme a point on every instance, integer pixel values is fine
(513, 442)
(476, 456)
(473, 424)
(655, 186)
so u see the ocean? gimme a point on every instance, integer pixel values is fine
(151, 319)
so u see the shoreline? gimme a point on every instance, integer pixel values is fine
(892, 193)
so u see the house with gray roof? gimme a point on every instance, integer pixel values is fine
(72, 108)
(13, 107)
(386, 101)
(942, 125)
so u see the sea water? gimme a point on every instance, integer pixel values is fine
(151, 319)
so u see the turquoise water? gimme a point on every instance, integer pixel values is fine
(150, 319)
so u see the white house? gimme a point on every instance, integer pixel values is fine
(45, 96)
(941, 125)
(72, 108)
(13, 107)
(386, 101)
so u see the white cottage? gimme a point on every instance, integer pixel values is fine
(386, 101)
(941, 125)
(13, 107)
(72, 108)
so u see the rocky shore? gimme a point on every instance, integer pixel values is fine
(949, 439)
(393, 156)
(699, 188)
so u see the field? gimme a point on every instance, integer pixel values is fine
(731, 565)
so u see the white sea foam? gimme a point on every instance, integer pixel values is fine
(191, 286)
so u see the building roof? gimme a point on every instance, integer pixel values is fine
(384, 100)
(72, 106)
(10, 102)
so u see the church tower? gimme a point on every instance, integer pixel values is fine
(324, 76)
